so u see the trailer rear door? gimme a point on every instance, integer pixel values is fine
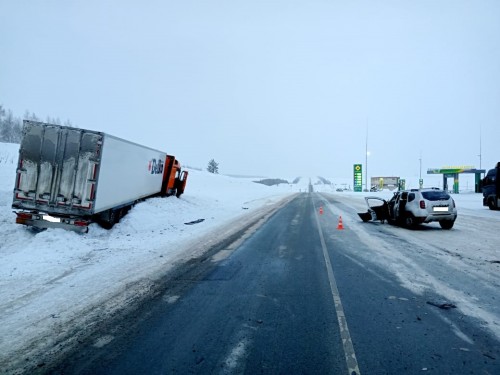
(57, 169)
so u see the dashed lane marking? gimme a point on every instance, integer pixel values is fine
(350, 355)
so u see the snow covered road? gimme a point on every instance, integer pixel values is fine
(462, 265)
(55, 284)
(283, 300)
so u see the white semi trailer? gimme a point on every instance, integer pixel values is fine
(69, 177)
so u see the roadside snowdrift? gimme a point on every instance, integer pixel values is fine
(48, 279)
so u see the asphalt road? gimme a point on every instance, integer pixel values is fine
(293, 298)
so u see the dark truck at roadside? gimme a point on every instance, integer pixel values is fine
(490, 186)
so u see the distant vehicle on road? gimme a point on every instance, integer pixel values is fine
(412, 207)
(491, 189)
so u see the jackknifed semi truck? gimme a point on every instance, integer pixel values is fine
(70, 177)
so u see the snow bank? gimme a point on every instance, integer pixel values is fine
(48, 278)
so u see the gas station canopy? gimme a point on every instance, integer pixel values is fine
(453, 172)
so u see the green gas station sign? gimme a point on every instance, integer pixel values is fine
(358, 177)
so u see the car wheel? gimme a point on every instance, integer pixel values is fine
(410, 221)
(447, 224)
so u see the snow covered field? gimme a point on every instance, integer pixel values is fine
(56, 278)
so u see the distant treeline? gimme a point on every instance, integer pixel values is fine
(11, 127)
(324, 180)
(272, 181)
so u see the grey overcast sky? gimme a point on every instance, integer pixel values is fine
(277, 88)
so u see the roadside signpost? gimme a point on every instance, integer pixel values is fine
(358, 177)
(402, 184)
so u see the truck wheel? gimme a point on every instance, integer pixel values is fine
(105, 224)
(108, 219)
(114, 216)
(491, 204)
(447, 224)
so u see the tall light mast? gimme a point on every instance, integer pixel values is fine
(480, 146)
(366, 158)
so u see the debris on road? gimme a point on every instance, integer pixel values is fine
(194, 222)
(444, 306)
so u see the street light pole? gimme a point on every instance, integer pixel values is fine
(366, 160)
(480, 144)
(420, 173)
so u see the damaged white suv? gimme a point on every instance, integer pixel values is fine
(417, 206)
(413, 207)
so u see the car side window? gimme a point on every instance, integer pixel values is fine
(411, 197)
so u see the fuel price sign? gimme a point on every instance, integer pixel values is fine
(358, 177)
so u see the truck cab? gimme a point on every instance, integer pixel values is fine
(174, 180)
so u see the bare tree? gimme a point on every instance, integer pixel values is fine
(69, 124)
(11, 127)
(17, 130)
(30, 116)
(53, 120)
(6, 131)
(2, 114)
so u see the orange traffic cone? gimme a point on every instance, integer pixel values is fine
(340, 225)
(321, 210)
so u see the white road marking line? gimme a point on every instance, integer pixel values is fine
(350, 355)
(103, 341)
(170, 299)
(234, 358)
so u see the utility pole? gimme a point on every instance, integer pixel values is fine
(480, 144)
(366, 158)
(420, 174)
(420, 181)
